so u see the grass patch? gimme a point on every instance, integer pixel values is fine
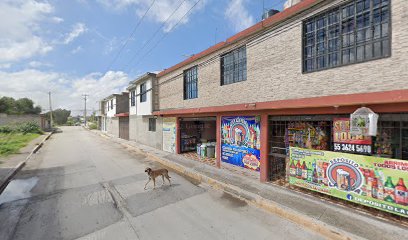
(11, 143)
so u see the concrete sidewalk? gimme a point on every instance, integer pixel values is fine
(331, 220)
(10, 165)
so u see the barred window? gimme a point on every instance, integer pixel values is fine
(234, 66)
(191, 83)
(143, 93)
(354, 32)
(152, 124)
(132, 98)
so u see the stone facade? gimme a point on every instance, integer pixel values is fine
(274, 68)
(18, 119)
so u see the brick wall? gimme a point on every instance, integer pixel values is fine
(274, 62)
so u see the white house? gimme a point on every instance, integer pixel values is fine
(115, 119)
(144, 127)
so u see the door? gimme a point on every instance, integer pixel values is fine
(124, 128)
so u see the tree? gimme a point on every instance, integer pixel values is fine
(9, 105)
(60, 116)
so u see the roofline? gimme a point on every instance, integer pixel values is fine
(114, 95)
(132, 84)
(258, 27)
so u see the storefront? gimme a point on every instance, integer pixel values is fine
(198, 136)
(241, 141)
(320, 153)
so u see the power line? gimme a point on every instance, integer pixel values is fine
(130, 36)
(165, 35)
(154, 35)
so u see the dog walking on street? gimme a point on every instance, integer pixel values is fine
(153, 174)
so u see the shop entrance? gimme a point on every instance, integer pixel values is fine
(198, 137)
(313, 132)
(316, 132)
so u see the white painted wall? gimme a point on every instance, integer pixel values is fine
(144, 108)
(132, 110)
(110, 112)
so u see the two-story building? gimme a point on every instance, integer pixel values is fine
(115, 120)
(283, 91)
(144, 127)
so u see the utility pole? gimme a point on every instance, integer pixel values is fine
(49, 98)
(85, 98)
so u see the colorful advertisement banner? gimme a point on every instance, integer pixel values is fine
(241, 141)
(344, 141)
(169, 135)
(370, 181)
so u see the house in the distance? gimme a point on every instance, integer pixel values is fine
(144, 127)
(115, 120)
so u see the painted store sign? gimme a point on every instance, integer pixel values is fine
(344, 141)
(240, 141)
(371, 181)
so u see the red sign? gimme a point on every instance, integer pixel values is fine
(345, 142)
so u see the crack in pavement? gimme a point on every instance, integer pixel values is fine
(120, 204)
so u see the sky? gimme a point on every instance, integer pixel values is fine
(96, 47)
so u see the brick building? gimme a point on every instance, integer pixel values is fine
(289, 80)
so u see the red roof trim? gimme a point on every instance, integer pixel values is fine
(396, 96)
(271, 21)
(122, 114)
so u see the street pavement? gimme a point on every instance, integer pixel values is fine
(81, 186)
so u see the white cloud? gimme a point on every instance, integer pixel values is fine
(66, 90)
(160, 11)
(238, 15)
(19, 29)
(36, 64)
(5, 65)
(76, 50)
(57, 19)
(77, 30)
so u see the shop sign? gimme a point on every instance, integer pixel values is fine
(240, 141)
(370, 181)
(344, 141)
(169, 135)
(364, 122)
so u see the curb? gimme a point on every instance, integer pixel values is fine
(6, 180)
(253, 199)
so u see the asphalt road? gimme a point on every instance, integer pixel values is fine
(82, 186)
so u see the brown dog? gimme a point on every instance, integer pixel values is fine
(153, 174)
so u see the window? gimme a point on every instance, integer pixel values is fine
(132, 98)
(234, 66)
(143, 93)
(152, 124)
(190, 83)
(111, 103)
(355, 32)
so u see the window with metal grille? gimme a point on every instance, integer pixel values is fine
(133, 98)
(152, 124)
(354, 32)
(234, 66)
(143, 93)
(191, 83)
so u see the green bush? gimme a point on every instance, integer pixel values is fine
(93, 126)
(29, 127)
(6, 129)
(24, 128)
